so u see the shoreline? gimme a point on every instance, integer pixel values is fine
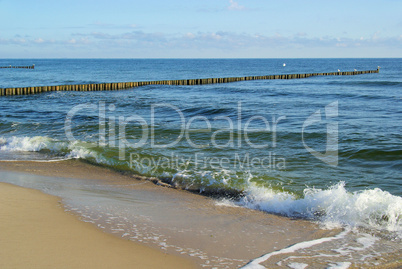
(198, 228)
(36, 231)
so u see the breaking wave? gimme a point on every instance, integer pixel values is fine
(333, 207)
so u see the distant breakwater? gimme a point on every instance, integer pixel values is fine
(202, 81)
(21, 67)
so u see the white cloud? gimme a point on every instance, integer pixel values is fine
(194, 43)
(39, 40)
(341, 45)
(13, 41)
(235, 6)
(189, 35)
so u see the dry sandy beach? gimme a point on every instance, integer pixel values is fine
(35, 232)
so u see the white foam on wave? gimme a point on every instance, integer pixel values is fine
(297, 265)
(203, 179)
(256, 263)
(364, 240)
(340, 265)
(81, 150)
(73, 150)
(333, 207)
(25, 143)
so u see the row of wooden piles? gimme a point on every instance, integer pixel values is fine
(23, 67)
(128, 85)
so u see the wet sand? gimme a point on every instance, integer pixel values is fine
(35, 232)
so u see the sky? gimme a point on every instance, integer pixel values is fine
(200, 29)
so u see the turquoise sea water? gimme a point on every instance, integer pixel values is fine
(306, 147)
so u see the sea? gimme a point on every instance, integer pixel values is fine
(326, 149)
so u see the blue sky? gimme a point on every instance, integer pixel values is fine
(200, 29)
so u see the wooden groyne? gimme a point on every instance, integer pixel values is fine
(128, 85)
(23, 67)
